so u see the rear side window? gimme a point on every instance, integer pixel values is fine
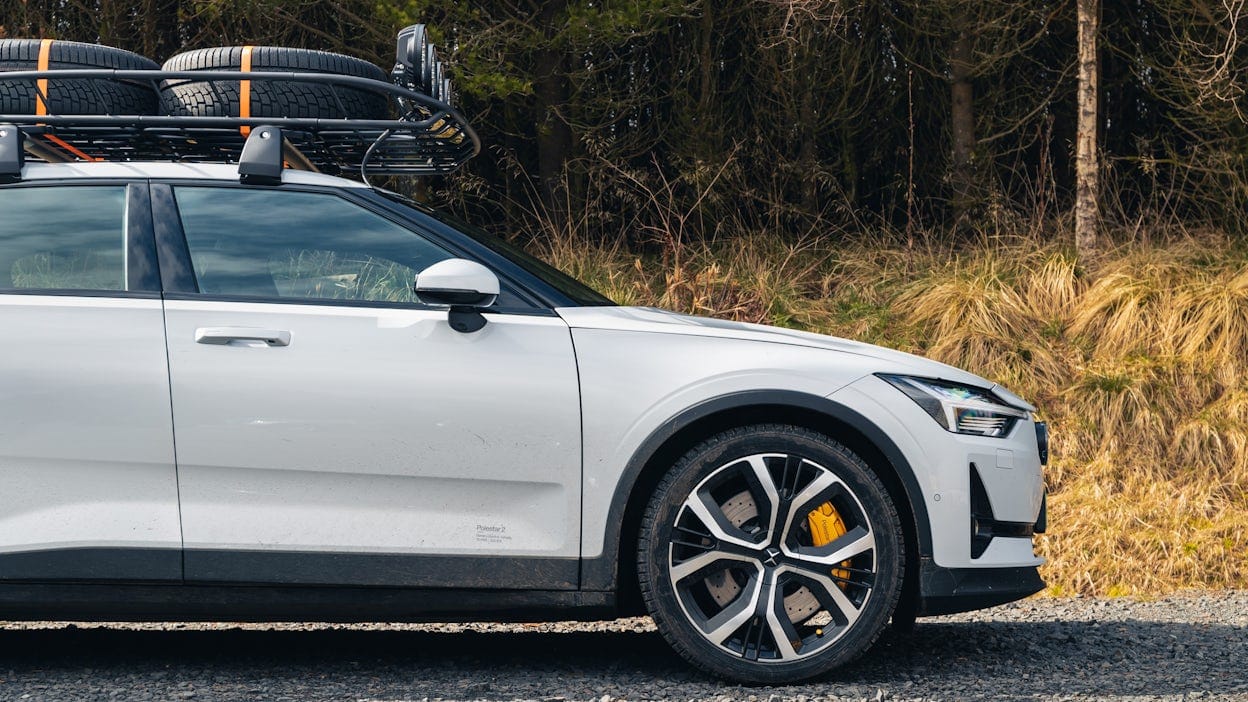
(63, 238)
(290, 244)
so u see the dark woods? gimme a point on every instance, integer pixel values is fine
(662, 119)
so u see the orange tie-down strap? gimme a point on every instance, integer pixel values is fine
(41, 106)
(45, 52)
(244, 91)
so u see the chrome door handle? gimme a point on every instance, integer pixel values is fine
(224, 335)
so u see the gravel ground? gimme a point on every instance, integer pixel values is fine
(1185, 647)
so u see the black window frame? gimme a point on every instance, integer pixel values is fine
(142, 268)
(178, 275)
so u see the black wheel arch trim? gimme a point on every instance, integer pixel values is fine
(602, 572)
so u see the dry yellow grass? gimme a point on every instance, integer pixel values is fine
(1139, 364)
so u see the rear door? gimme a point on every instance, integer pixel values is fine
(332, 430)
(88, 489)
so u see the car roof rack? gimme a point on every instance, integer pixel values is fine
(429, 137)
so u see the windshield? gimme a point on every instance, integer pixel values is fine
(581, 293)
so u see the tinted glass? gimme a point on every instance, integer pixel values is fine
(63, 238)
(290, 244)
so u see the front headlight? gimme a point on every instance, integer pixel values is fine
(959, 408)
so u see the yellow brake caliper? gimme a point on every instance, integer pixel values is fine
(826, 526)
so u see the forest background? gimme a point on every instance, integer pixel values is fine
(1048, 193)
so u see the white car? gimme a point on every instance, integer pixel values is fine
(233, 387)
(313, 400)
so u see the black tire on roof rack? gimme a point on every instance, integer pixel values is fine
(74, 96)
(273, 98)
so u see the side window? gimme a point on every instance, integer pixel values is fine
(290, 244)
(63, 238)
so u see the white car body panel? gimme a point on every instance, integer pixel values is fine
(652, 320)
(376, 430)
(86, 439)
(641, 366)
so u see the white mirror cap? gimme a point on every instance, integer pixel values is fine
(456, 281)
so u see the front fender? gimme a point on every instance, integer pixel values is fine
(643, 394)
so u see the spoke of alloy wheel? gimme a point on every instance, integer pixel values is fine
(768, 485)
(690, 566)
(693, 538)
(831, 597)
(752, 641)
(732, 617)
(822, 482)
(711, 515)
(856, 542)
(781, 628)
(792, 474)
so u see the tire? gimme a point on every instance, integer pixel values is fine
(77, 96)
(717, 593)
(268, 98)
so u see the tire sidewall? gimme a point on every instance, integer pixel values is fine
(74, 96)
(696, 466)
(275, 99)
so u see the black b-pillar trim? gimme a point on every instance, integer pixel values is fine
(176, 272)
(142, 270)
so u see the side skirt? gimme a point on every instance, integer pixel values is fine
(240, 603)
(379, 570)
(287, 568)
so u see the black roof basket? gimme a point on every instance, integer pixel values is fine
(429, 136)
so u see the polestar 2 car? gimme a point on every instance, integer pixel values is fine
(236, 387)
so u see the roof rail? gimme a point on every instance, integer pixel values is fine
(429, 137)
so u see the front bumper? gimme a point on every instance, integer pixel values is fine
(982, 495)
(950, 590)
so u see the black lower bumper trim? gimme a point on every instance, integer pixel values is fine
(950, 590)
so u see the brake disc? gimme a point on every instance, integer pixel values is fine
(799, 605)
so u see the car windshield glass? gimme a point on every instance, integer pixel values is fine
(581, 293)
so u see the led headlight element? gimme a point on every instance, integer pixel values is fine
(959, 408)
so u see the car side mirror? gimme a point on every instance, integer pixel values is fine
(465, 286)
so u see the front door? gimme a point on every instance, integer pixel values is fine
(332, 430)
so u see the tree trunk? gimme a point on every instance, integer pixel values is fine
(160, 29)
(1087, 167)
(704, 140)
(554, 136)
(962, 120)
(112, 16)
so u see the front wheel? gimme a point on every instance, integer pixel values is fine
(770, 554)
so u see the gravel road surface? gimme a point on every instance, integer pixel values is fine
(1186, 647)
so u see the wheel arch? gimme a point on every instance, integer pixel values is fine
(615, 569)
